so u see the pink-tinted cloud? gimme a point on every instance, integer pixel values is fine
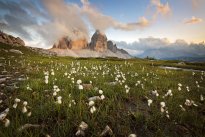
(193, 20)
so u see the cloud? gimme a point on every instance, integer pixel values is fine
(196, 3)
(45, 21)
(160, 8)
(17, 17)
(162, 48)
(193, 20)
(104, 22)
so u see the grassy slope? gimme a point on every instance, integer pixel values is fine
(124, 113)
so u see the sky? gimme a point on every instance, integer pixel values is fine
(41, 23)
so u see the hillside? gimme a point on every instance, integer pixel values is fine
(114, 97)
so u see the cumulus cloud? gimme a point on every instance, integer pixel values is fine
(193, 20)
(160, 8)
(163, 48)
(103, 22)
(45, 21)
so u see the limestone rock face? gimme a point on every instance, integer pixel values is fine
(8, 39)
(112, 47)
(123, 51)
(67, 43)
(98, 42)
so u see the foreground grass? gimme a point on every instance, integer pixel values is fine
(124, 110)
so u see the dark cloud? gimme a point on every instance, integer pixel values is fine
(162, 48)
(17, 17)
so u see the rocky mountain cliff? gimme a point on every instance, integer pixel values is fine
(98, 47)
(8, 39)
(67, 43)
(98, 42)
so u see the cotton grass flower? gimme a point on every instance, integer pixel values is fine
(100, 92)
(54, 93)
(162, 109)
(6, 122)
(16, 102)
(92, 109)
(59, 101)
(149, 102)
(154, 92)
(102, 97)
(132, 135)
(201, 97)
(91, 103)
(79, 82)
(80, 87)
(29, 114)
(169, 93)
(24, 109)
(182, 108)
(46, 79)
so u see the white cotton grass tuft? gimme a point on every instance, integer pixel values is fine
(201, 97)
(190, 103)
(79, 82)
(25, 103)
(80, 87)
(59, 100)
(182, 108)
(92, 109)
(102, 97)
(91, 103)
(154, 92)
(29, 114)
(46, 79)
(17, 100)
(132, 135)
(24, 109)
(100, 92)
(6, 122)
(149, 102)
(187, 88)
(54, 93)
(162, 109)
(15, 105)
(169, 93)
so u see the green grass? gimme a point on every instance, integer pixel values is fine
(124, 113)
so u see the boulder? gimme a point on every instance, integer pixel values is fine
(19, 42)
(9, 39)
(16, 51)
(98, 42)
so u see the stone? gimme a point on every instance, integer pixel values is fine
(9, 39)
(2, 80)
(16, 51)
(87, 86)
